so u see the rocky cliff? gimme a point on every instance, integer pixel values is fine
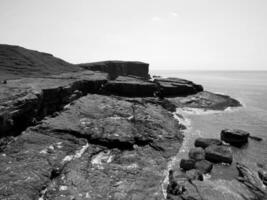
(119, 68)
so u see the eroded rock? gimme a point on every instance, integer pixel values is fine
(119, 68)
(205, 100)
(234, 137)
(23, 102)
(177, 87)
(92, 150)
(197, 153)
(219, 154)
(205, 142)
(131, 87)
(204, 166)
(187, 164)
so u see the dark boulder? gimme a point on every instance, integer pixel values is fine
(219, 154)
(197, 153)
(119, 68)
(187, 164)
(130, 87)
(204, 166)
(234, 137)
(205, 142)
(177, 87)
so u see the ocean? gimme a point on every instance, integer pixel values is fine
(250, 88)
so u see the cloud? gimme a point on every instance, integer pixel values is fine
(156, 19)
(174, 14)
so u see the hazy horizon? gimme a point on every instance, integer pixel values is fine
(170, 34)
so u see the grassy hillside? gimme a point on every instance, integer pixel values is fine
(17, 62)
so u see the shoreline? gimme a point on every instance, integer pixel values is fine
(96, 135)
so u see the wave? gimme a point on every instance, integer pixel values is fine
(202, 111)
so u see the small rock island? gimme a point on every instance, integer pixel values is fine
(105, 130)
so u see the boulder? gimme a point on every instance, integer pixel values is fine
(177, 87)
(234, 137)
(219, 154)
(194, 174)
(197, 153)
(130, 87)
(187, 164)
(204, 166)
(205, 142)
(119, 68)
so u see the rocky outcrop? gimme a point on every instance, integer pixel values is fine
(177, 87)
(205, 100)
(119, 68)
(98, 147)
(235, 137)
(130, 87)
(219, 154)
(24, 102)
(17, 62)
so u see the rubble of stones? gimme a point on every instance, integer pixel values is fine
(201, 158)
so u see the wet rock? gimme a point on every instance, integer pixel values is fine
(205, 100)
(219, 154)
(187, 164)
(197, 153)
(235, 137)
(205, 142)
(194, 174)
(131, 87)
(204, 166)
(177, 87)
(119, 68)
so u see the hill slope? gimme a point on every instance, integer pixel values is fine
(17, 62)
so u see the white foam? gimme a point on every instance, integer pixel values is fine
(200, 111)
(182, 120)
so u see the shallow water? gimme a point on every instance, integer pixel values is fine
(250, 88)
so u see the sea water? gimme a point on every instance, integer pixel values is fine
(250, 88)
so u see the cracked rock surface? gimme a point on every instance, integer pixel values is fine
(99, 147)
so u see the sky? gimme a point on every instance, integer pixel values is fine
(168, 34)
